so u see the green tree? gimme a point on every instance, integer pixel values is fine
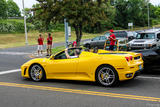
(103, 25)
(131, 11)
(77, 12)
(121, 13)
(13, 9)
(157, 12)
(153, 16)
(3, 10)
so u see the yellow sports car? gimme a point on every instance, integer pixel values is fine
(104, 67)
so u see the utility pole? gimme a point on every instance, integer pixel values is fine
(25, 26)
(148, 15)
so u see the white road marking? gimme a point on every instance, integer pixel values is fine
(148, 77)
(14, 53)
(9, 71)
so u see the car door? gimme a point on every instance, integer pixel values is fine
(62, 68)
(94, 42)
(158, 40)
(85, 66)
(102, 42)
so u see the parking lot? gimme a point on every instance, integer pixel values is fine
(143, 91)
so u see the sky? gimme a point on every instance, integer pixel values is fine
(29, 3)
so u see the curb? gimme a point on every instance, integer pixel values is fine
(35, 55)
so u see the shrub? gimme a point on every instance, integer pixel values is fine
(55, 27)
(13, 26)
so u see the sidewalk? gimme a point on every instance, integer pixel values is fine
(35, 55)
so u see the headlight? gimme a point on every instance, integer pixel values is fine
(149, 45)
(121, 42)
(128, 45)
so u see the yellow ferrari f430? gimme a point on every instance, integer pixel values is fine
(104, 67)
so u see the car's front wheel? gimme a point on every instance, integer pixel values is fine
(107, 76)
(37, 73)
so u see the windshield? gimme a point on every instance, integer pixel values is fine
(120, 34)
(145, 36)
(107, 34)
(117, 34)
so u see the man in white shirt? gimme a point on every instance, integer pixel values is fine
(76, 55)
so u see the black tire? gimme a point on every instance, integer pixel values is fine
(110, 76)
(88, 46)
(128, 49)
(37, 73)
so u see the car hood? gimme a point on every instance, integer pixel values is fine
(88, 41)
(36, 60)
(142, 41)
(121, 39)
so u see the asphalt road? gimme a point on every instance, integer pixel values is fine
(143, 91)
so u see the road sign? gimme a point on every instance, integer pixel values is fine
(66, 33)
(130, 24)
(69, 31)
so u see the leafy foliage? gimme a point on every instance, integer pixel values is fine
(131, 11)
(13, 26)
(13, 9)
(3, 10)
(77, 12)
(9, 9)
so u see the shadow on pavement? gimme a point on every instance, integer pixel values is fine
(129, 83)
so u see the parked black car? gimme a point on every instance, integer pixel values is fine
(151, 58)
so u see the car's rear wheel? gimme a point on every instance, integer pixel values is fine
(37, 73)
(107, 76)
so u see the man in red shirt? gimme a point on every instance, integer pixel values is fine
(112, 39)
(40, 45)
(49, 44)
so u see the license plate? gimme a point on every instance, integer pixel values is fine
(140, 66)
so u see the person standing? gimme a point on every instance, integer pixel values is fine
(49, 44)
(40, 45)
(74, 45)
(112, 39)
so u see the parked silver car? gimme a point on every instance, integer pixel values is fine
(99, 41)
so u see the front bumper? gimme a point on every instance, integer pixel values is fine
(137, 73)
(24, 71)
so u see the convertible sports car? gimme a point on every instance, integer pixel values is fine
(104, 67)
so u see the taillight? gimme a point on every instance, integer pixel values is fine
(127, 58)
(141, 55)
(130, 57)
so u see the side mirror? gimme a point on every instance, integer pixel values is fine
(157, 39)
(52, 57)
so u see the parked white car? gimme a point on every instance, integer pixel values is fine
(145, 40)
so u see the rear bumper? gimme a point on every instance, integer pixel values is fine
(130, 72)
(137, 73)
